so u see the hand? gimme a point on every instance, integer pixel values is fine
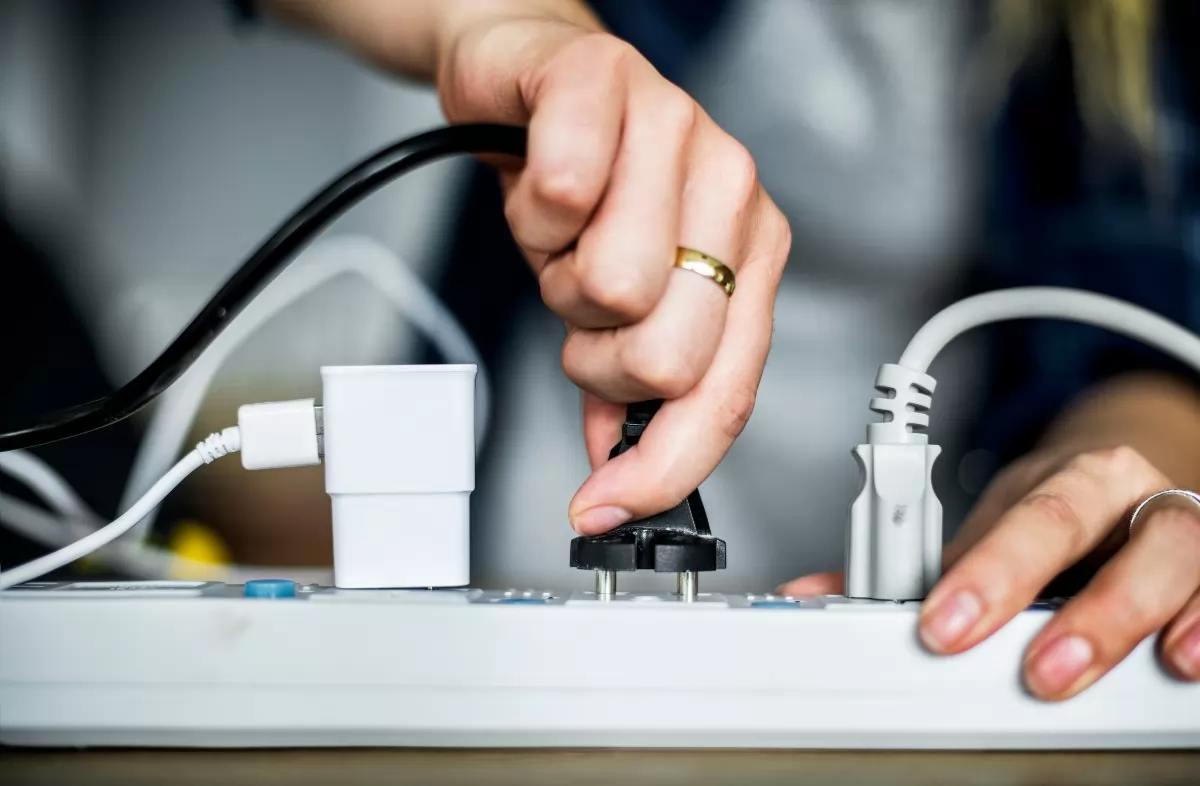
(1060, 517)
(622, 168)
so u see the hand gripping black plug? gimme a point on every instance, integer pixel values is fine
(675, 541)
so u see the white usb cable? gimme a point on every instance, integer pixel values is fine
(215, 446)
(277, 434)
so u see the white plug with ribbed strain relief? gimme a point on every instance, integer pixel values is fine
(894, 540)
(400, 468)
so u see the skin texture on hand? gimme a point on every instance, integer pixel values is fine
(1060, 517)
(622, 168)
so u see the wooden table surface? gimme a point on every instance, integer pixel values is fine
(584, 768)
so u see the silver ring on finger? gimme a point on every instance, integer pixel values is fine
(1163, 498)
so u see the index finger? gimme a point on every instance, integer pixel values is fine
(574, 134)
(1049, 530)
(690, 435)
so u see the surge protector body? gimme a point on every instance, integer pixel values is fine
(184, 664)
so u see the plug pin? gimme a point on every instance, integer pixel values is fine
(606, 583)
(687, 585)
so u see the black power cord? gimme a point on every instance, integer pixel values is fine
(275, 252)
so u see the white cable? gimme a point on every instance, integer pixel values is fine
(40, 526)
(176, 409)
(894, 540)
(142, 560)
(40, 477)
(274, 434)
(74, 518)
(1049, 303)
(329, 258)
(212, 448)
(102, 536)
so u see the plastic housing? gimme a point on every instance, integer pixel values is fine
(400, 469)
(193, 664)
(894, 536)
(278, 434)
(894, 541)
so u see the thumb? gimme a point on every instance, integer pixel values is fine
(689, 435)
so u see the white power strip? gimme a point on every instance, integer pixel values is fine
(199, 665)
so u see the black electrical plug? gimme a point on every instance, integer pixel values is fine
(675, 541)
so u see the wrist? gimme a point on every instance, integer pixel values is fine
(459, 18)
(414, 37)
(486, 51)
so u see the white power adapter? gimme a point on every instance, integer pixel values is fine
(400, 468)
(399, 450)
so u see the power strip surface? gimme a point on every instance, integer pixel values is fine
(196, 664)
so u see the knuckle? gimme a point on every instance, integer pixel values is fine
(665, 372)
(524, 233)
(566, 186)
(781, 232)
(604, 49)
(531, 235)
(514, 214)
(736, 409)
(1108, 462)
(577, 363)
(592, 53)
(617, 290)
(741, 177)
(1058, 513)
(678, 113)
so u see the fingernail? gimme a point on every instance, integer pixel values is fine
(1060, 665)
(950, 620)
(600, 519)
(1186, 655)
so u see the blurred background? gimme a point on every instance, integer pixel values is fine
(148, 148)
(922, 151)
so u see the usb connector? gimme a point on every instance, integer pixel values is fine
(281, 434)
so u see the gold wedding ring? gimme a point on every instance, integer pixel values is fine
(693, 260)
